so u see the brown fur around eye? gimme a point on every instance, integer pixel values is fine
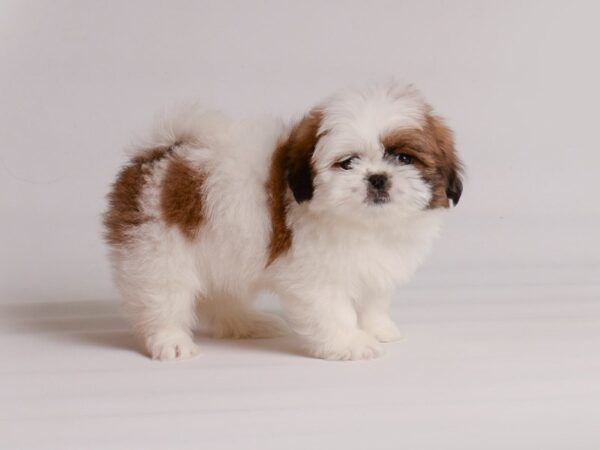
(434, 155)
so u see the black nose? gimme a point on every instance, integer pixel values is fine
(378, 181)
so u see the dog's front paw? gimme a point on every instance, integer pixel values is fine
(382, 328)
(170, 345)
(348, 347)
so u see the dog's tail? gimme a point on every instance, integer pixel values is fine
(187, 125)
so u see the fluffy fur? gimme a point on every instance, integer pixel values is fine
(330, 213)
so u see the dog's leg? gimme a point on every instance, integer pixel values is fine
(328, 323)
(164, 319)
(374, 318)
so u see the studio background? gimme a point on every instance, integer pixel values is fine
(518, 83)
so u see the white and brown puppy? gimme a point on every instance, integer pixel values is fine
(330, 214)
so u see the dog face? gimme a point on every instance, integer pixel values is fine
(379, 153)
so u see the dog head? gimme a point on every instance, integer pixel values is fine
(376, 152)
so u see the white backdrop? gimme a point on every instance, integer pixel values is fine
(517, 80)
(502, 323)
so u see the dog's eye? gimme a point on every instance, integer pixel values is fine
(346, 164)
(403, 158)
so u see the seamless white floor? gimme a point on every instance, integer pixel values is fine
(491, 366)
(502, 325)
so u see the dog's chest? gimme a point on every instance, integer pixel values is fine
(377, 260)
(365, 260)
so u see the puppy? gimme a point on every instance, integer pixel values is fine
(330, 213)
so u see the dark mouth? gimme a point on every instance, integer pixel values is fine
(379, 198)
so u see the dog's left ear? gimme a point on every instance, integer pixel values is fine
(300, 148)
(450, 166)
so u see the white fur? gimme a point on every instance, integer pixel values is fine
(335, 282)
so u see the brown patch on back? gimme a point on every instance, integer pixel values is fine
(291, 166)
(181, 197)
(434, 155)
(124, 210)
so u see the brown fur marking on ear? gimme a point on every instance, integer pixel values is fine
(449, 185)
(276, 187)
(290, 167)
(124, 210)
(300, 148)
(181, 197)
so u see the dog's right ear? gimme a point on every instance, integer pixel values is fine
(300, 148)
(449, 166)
